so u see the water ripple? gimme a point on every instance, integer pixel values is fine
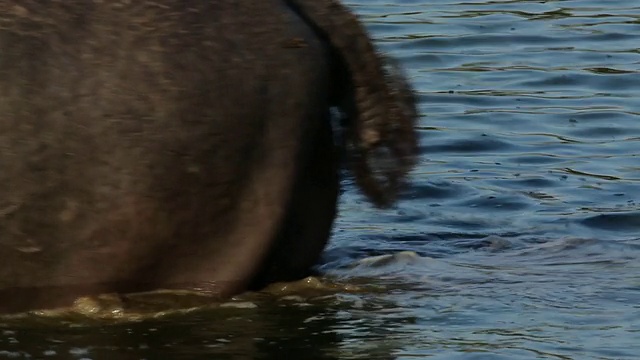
(519, 238)
(526, 196)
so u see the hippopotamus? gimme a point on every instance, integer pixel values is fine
(186, 144)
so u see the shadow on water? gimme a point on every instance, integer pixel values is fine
(304, 320)
(252, 333)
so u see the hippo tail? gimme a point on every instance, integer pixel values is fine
(374, 95)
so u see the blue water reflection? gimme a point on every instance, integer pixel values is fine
(520, 235)
(527, 196)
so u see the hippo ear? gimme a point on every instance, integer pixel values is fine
(380, 106)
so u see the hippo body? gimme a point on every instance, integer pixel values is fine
(182, 144)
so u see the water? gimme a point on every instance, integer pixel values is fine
(520, 238)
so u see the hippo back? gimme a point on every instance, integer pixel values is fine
(150, 144)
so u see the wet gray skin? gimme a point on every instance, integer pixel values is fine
(184, 144)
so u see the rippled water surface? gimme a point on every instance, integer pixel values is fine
(520, 238)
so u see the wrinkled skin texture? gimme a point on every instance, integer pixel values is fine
(183, 144)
